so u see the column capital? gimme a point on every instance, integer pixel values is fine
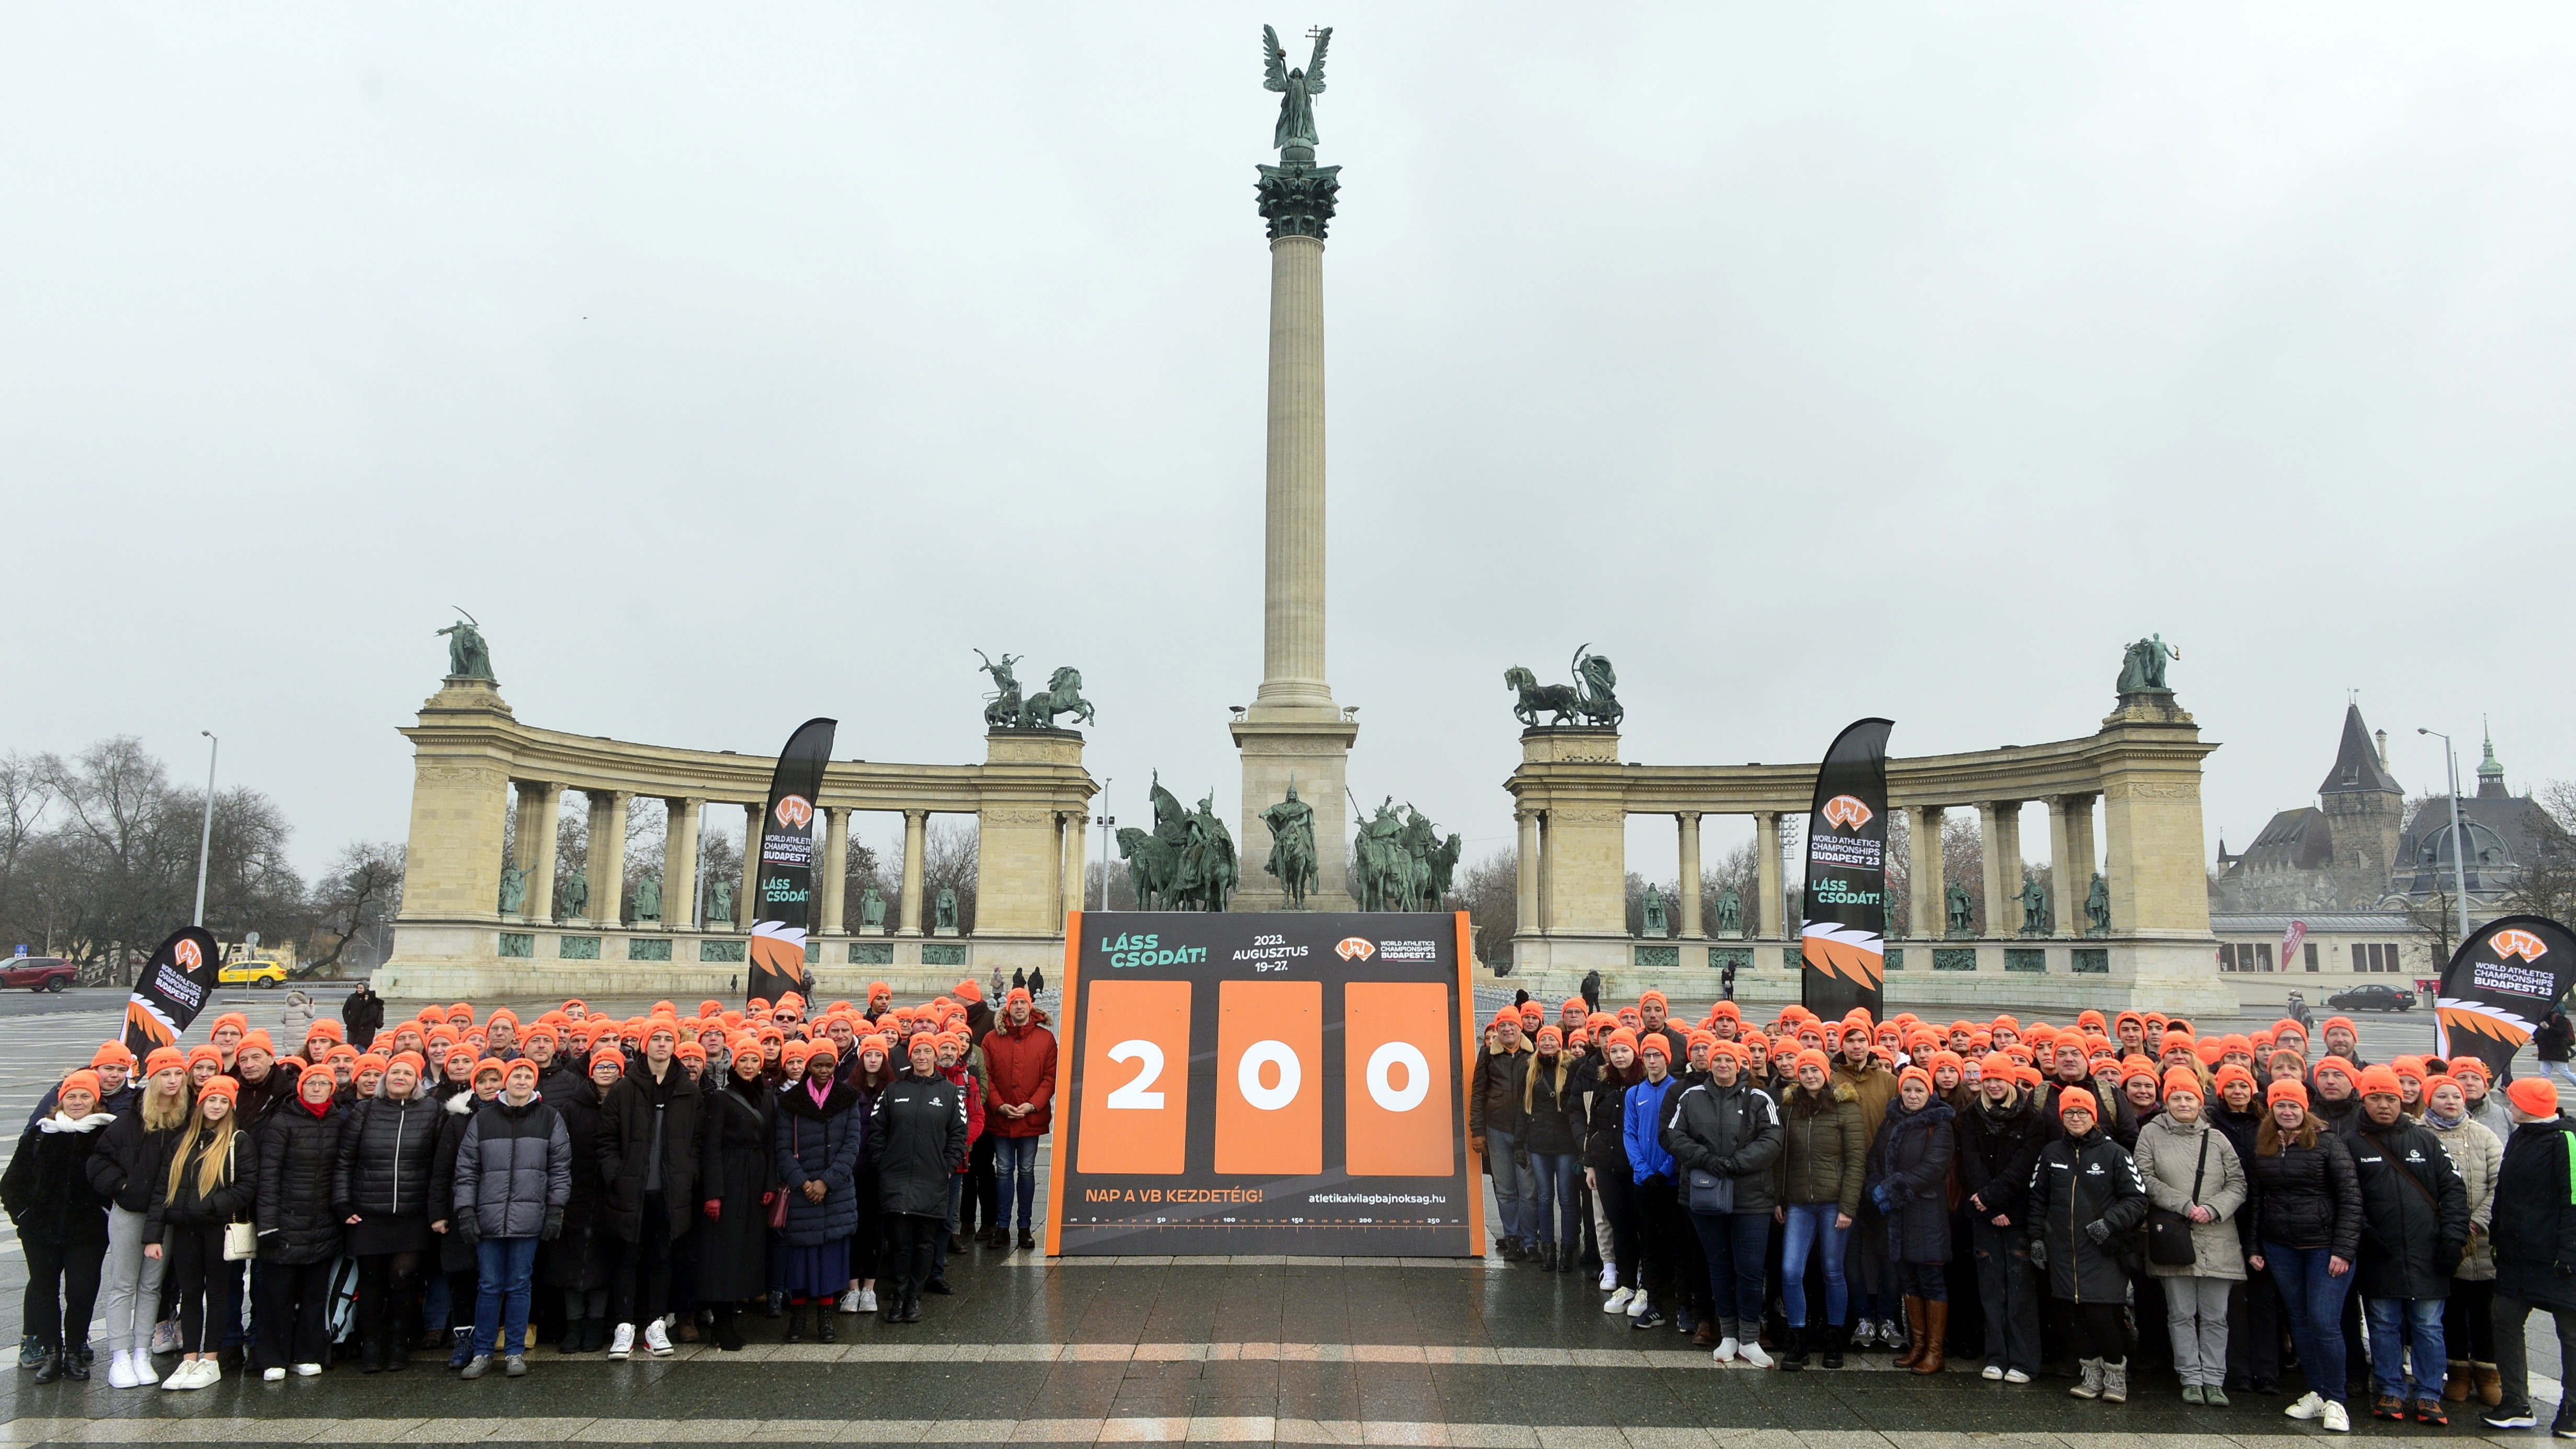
(1686, 814)
(1297, 200)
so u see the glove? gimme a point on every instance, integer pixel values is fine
(1882, 1197)
(469, 1226)
(2098, 1230)
(554, 1225)
(2038, 1253)
(715, 1209)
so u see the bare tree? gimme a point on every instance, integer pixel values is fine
(1489, 892)
(2545, 884)
(354, 901)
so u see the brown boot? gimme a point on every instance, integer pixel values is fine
(2490, 1383)
(1704, 1336)
(2455, 1388)
(1914, 1333)
(1936, 1326)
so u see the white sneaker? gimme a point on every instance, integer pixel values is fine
(2015, 1376)
(867, 1301)
(1618, 1300)
(144, 1377)
(308, 1370)
(622, 1342)
(272, 1375)
(850, 1301)
(2309, 1406)
(1609, 1276)
(1725, 1350)
(209, 1373)
(120, 1371)
(178, 1376)
(1638, 1305)
(2337, 1421)
(656, 1340)
(1992, 1373)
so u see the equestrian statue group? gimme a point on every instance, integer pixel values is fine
(1005, 709)
(1187, 862)
(1403, 863)
(1590, 700)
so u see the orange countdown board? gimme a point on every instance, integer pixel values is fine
(1265, 1083)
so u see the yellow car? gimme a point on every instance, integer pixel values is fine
(263, 974)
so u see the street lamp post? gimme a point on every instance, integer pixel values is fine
(2459, 844)
(206, 833)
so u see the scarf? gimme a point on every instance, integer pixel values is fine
(316, 1108)
(61, 1123)
(818, 1088)
(2440, 1123)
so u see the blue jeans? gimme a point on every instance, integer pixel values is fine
(1811, 1225)
(1015, 1169)
(1556, 1209)
(1734, 1244)
(2390, 1321)
(1508, 1208)
(2314, 1300)
(504, 1265)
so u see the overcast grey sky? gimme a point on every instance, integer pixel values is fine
(739, 365)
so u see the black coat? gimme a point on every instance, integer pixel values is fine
(736, 1165)
(1494, 1098)
(47, 1188)
(636, 1107)
(916, 1137)
(1553, 1125)
(580, 1257)
(386, 1153)
(819, 1143)
(1911, 1160)
(1996, 1153)
(299, 1169)
(2306, 1197)
(1733, 1132)
(1605, 1146)
(2533, 1224)
(2414, 1210)
(187, 1208)
(130, 1160)
(455, 1254)
(2080, 1181)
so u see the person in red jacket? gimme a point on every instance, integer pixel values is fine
(1019, 1056)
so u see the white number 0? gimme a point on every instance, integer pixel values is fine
(1417, 1076)
(1134, 1094)
(1247, 1076)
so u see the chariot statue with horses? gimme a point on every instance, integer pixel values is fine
(1590, 700)
(1006, 709)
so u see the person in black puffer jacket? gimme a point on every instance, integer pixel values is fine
(2307, 1207)
(1552, 1134)
(1909, 1179)
(578, 1262)
(916, 1136)
(817, 1141)
(1728, 1129)
(299, 1234)
(1602, 1078)
(648, 1156)
(2254, 1305)
(2414, 1225)
(386, 1154)
(1999, 1142)
(738, 1176)
(62, 1223)
(2086, 1201)
(2534, 1233)
(513, 1177)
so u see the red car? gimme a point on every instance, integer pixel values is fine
(36, 973)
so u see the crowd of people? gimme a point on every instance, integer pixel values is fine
(466, 1181)
(1790, 1191)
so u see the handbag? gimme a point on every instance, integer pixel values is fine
(778, 1198)
(1709, 1193)
(241, 1242)
(2169, 1233)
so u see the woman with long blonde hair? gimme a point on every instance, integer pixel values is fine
(133, 1157)
(208, 1185)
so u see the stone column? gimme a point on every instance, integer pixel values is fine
(1546, 871)
(916, 828)
(746, 904)
(606, 868)
(1928, 906)
(680, 864)
(1070, 889)
(1766, 865)
(1525, 899)
(836, 869)
(545, 822)
(2070, 859)
(1688, 886)
(2000, 824)
(1292, 632)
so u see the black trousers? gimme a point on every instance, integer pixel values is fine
(294, 1299)
(1660, 1229)
(2468, 1321)
(983, 1186)
(388, 1299)
(2254, 1331)
(2513, 1356)
(62, 1290)
(2101, 1330)
(640, 1290)
(1619, 1204)
(205, 1285)
(909, 1238)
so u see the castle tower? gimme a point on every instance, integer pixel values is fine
(2365, 810)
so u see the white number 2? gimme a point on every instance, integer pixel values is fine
(1134, 1094)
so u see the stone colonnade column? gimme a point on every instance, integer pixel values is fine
(2070, 859)
(746, 906)
(606, 867)
(916, 824)
(836, 870)
(1766, 873)
(1688, 884)
(542, 821)
(680, 863)
(1525, 896)
(1070, 890)
(1928, 894)
(1292, 632)
(2000, 823)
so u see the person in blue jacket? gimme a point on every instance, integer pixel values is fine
(1659, 1215)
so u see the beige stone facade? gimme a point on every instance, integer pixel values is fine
(1031, 797)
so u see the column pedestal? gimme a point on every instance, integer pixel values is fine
(1313, 746)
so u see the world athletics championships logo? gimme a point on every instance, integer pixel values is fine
(795, 811)
(2517, 942)
(190, 957)
(1352, 948)
(1846, 813)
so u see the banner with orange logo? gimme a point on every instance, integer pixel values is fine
(2507, 976)
(782, 901)
(175, 985)
(1265, 1083)
(1844, 939)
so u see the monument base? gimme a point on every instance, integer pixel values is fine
(1311, 746)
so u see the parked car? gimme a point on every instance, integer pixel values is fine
(262, 974)
(36, 973)
(2373, 998)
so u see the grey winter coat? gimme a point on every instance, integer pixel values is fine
(513, 1165)
(2475, 1154)
(2168, 1155)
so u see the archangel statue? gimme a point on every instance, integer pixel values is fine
(1297, 88)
